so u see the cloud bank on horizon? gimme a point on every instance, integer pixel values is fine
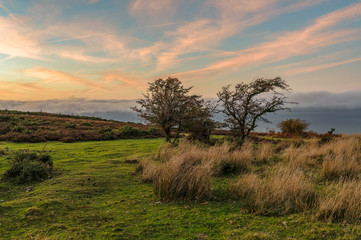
(109, 49)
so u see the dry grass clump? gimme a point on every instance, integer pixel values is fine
(184, 172)
(343, 159)
(341, 202)
(263, 152)
(178, 180)
(148, 170)
(306, 156)
(224, 161)
(340, 167)
(285, 191)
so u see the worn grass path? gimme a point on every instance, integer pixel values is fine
(94, 195)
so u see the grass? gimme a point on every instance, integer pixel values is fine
(94, 194)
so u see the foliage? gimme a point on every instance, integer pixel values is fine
(29, 167)
(198, 120)
(293, 126)
(244, 106)
(168, 106)
(164, 104)
(129, 131)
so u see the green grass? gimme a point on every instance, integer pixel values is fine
(94, 195)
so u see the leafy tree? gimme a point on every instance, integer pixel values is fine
(198, 120)
(293, 126)
(168, 106)
(246, 104)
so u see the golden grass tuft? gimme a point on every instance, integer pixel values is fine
(343, 159)
(178, 180)
(285, 191)
(341, 202)
(148, 170)
(263, 152)
(224, 161)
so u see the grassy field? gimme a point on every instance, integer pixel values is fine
(95, 195)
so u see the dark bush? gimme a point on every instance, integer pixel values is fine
(293, 126)
(19, 128)
(155, 131)
(86, 124)
(70, 125)
(29, 167)
(130, 132)
(106, 133)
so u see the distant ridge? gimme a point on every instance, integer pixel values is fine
(20, 126)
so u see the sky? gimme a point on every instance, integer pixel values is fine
(110, 49)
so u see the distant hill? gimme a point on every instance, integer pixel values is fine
(20, 126)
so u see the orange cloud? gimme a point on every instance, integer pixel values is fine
(50, 75)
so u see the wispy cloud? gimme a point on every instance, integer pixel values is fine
(321, 66)
(153, 11)
(316, 36)
(51, 76)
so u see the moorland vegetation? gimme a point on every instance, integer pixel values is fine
(195, 185)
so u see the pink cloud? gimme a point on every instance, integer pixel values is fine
(203, 35)
(17, 40)
(153, 11)
(314, 37)
(321, 66)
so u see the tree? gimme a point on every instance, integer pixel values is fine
(293, 126)
(168, 106)
(247, 105)
(198, 120)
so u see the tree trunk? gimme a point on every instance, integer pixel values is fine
(166, 134)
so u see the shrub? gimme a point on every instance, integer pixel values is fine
(20, 128)
(293, 126)
(29, 167)
(155, 131)
(130, 132)
(106, 133)
(285, 191)
(86, 124)
(341, 202)
(70, 125)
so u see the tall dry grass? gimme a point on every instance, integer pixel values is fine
(185, 172)
(284, 191)
(263, 152)
(341, 202)
(343, 159)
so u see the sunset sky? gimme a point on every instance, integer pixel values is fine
(110, 49)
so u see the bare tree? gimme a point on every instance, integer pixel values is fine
(247, 105)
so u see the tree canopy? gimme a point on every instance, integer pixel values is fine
(247, 104)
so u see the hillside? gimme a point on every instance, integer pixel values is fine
(19, 126)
